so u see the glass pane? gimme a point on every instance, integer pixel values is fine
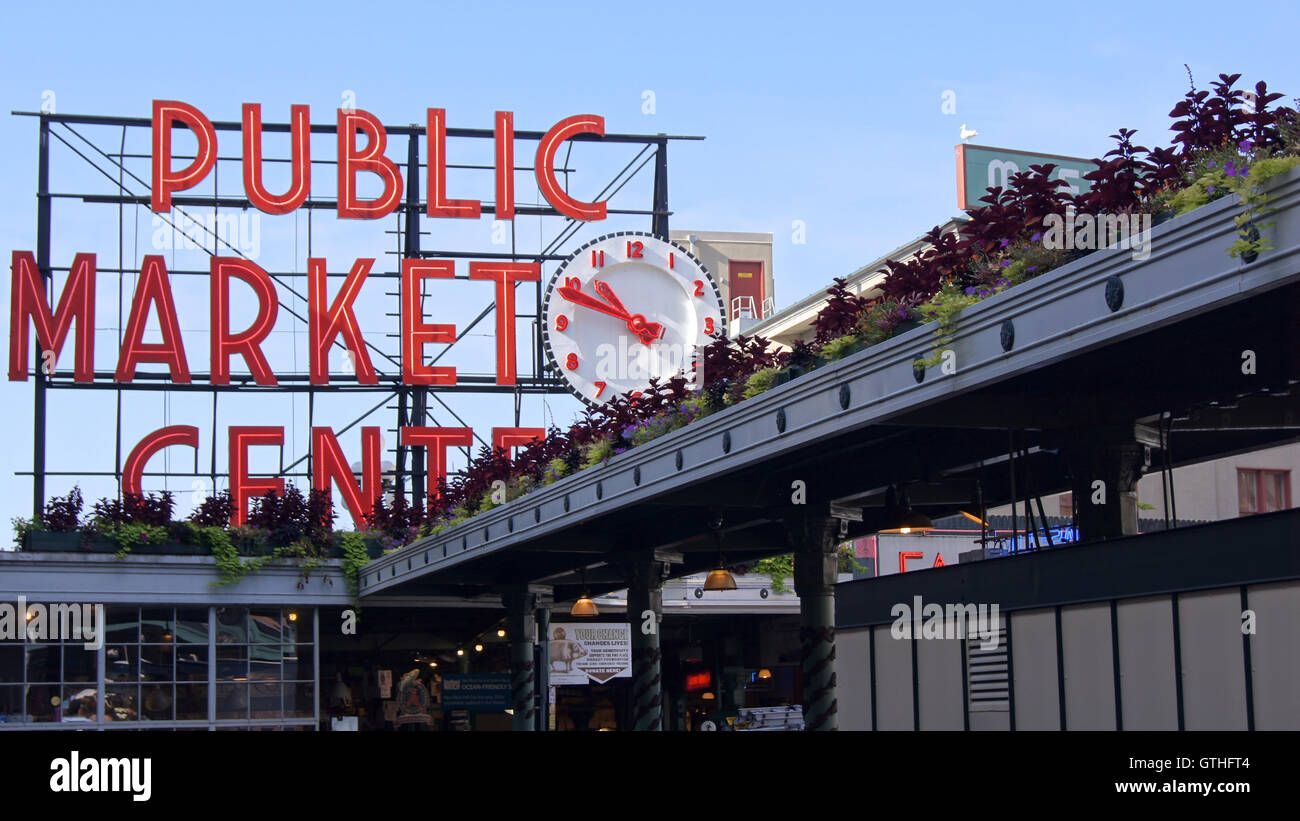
(122, 703)
(265, 700)
(41, 702)
(232, 662)
(11, 705)
(192, 625)
(264, 664)
(232, 701)
(123, 625)
(158, 700)
(232, 625)
(156, 625)
(11, 663)
(298, 700)
(1274, 491)
(191, 702)
(43, 662)
(122, 663)
(156, 662)
(80, 703)
(264, 625)
(1246, 491)
(298, 664)
(79, 664)
(191, 663)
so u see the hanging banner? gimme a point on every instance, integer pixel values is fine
(581, 652)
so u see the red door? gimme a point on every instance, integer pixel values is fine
(745, 289)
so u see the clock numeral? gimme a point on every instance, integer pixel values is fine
(597, 259)
(571, 362)
(600, 386)
(561, 322)
(699, 287)
(708, 325)
(634, 250)
(573, 282)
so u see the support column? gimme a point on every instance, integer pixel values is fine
(645, 605)
(521, 607)
(1116, 460)
(543, 657)
(815, 567)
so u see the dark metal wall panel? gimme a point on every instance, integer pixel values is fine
(893, 681)
(1037, 687)
(853, 678)
(1146, 663)
(1214, 678)
(1275, 655)
(1089, 667)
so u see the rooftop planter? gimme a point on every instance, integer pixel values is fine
(1086, 303)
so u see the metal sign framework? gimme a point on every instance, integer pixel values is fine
(412, 401)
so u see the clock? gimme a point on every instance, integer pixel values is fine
(624, 309)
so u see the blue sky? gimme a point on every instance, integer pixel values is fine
(829, 114)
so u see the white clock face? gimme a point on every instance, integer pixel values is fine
(627, 308)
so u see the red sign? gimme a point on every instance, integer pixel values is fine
(361, 145)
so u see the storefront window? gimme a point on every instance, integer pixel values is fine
(158, 662)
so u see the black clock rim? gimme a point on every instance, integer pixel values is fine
(559, 272)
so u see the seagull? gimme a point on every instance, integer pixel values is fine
(966, 133)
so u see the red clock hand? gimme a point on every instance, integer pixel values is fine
(636, 323)
(579, 298)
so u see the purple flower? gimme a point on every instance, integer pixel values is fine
(1209, 190)
(1004, 263)
(970, 291)
(1037, 235)
(983, 292)
(1245, 146)
(1033, 268)
(902, 313)
(1230, 169)
(1210, 164)
(1005, 243)
(617, 451)
(1004, 281)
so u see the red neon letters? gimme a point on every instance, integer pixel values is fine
(505, 275)
(416, 333)
(300, 160)
(325, 325)
(247, 343)
(165, 114)
(27, 303)
(133, 470)
(242, 486)
(153, 289)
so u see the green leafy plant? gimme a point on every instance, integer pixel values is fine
(779, 568)
(597, 453)
(840, 348)
(22, 527)
(355, 557)
(131, 534)
(759, 382)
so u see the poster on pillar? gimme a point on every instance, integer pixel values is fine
(582, 652)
